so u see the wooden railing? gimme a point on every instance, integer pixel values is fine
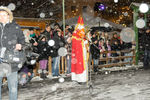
(62, 66)
(120, 58)
(108, 61)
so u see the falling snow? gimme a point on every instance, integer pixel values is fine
(140, 23)
(127, 35)
(62, 51)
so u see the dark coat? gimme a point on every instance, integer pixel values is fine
(59, 42)
(43, 50)
(27, 68)
(113, 40)
(146, 41)
(128, 45)
(115, 47)
(95, 51)
(11, 34)
(47, 34)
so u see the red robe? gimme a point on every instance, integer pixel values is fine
(78, 65)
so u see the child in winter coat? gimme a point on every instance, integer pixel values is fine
(43, 55)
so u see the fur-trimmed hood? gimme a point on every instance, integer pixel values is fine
(2, 8)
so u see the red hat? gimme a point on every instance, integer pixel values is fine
(80, 20)
(80, 24)
(80, 27)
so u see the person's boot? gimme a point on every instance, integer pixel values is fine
(45, 77)
(42, 75)
(24, 86)
(95, 69)
(145, 66)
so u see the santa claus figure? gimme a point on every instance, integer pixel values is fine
(79, 63)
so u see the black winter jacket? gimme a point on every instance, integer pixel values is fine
(95, 51)
(47, 34)
(43, 50)
(59, 42)
(10, 35)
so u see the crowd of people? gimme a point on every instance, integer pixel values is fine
(101, 42)
(40, 43)
(106, 42)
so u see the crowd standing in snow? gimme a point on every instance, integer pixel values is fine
(101, 41)
(47, 44)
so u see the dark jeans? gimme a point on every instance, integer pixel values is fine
(146, 58)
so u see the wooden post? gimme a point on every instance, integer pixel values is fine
(134, 57)
(66, 67)
(50, 65)
(107, 60)
(35, 71)
(62, 64)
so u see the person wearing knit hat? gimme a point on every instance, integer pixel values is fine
(11, 40)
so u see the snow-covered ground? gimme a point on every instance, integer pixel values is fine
(131, 84)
